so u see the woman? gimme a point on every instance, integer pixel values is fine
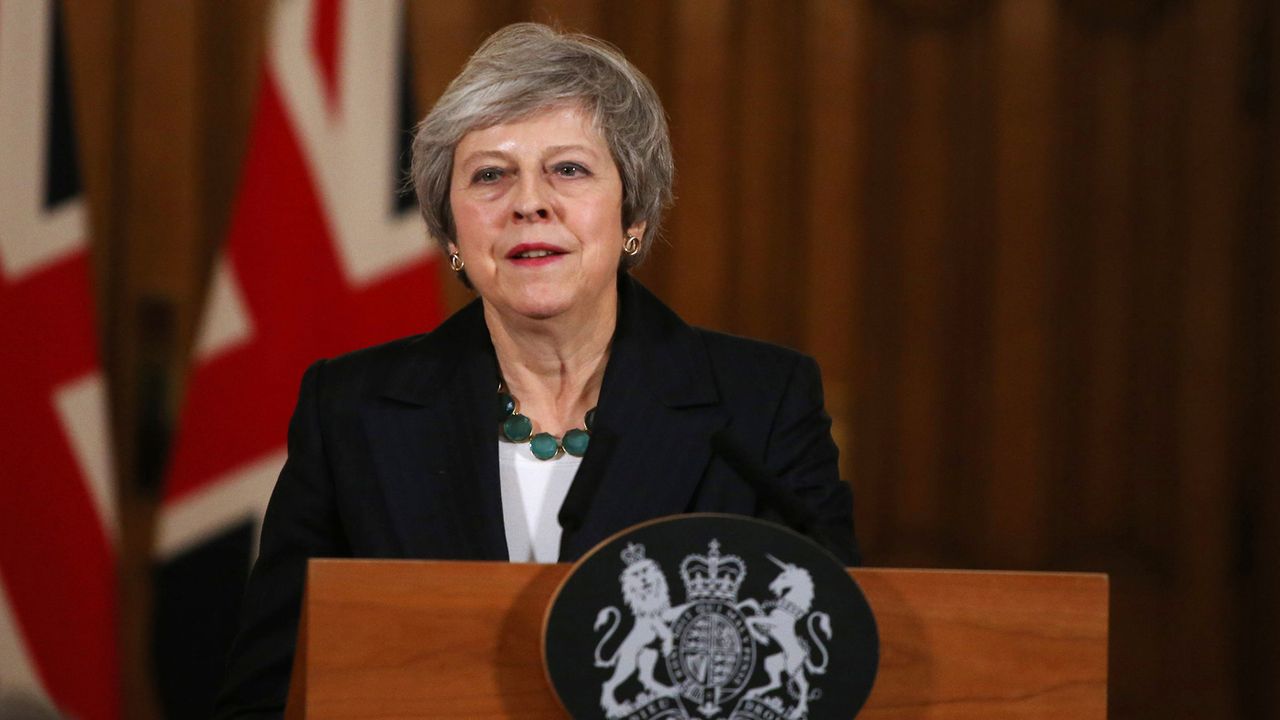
(543, 172)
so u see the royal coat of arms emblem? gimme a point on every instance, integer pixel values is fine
(709, 643)
(731, 643)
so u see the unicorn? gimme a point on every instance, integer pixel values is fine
(779, 619)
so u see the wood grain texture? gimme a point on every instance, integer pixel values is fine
(1024, 162)
(834, 180)
(394, 639)
(1205, 365)
(767, 253)
(988, 644)
(701, 122)
(1262, 594)
(924, 196)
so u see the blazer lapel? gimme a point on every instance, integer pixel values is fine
(658, 409)
(433, 438)
(434, 445)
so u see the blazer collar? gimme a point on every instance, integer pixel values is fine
(652, 349)
(444, 356)
(659, 406)
(443, 405)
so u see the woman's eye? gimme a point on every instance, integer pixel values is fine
(569, 170)
(487, 175)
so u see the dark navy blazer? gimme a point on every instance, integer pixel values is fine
(392, 454)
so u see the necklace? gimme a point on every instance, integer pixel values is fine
(518, 428)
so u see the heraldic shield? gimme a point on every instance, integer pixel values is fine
(764, 624)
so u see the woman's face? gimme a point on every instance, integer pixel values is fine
(537, 207)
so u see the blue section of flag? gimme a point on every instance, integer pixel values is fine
(197, 607)
(62, 177)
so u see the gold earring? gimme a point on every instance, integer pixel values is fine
(631, 246)
(455, 262)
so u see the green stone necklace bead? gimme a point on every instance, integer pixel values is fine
(518, 428)
(575, 442)
(544, 446)
(506, 406)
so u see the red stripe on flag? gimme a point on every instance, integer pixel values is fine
(325, 44)
(54, 554)
(282, 254)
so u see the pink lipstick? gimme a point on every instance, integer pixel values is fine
(534, 254)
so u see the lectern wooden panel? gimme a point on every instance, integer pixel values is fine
(401, 639)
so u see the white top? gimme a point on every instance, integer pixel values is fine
(532, 492)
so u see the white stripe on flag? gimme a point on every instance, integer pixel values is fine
(350, 151)
(225, 324)
(17, 673)
(31, 237)
(239, 496)
(82, 406)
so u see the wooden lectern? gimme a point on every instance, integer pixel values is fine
(425, 639)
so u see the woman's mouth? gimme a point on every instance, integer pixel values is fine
(533, 254)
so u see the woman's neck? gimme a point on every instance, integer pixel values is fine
(555, 366)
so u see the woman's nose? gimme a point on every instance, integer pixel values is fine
(530, 200)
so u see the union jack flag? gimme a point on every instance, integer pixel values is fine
(325, 254)
(57, 500)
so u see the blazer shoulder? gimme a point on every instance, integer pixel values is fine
(749, 356)
(376, 357)
(753, 375)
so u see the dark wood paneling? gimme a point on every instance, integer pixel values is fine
(1206, 500)
(833, 201)
(702, 224)
(1026, 133)
(1032, 243)
(1260, 641)
(767, 251)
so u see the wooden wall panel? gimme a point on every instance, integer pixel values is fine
(874, 378)
(700, 231)
(1206, 504)
(767, 250)
(1260, 643)
(1032, 243)
(968, 397)
(923, 199)
(1026, 133)
(1158, 241)
(834, 154)
(586, 16)
(1105, 290)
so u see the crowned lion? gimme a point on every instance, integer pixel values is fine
(645, 591)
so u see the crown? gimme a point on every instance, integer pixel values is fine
(632, 554)
(712, 576)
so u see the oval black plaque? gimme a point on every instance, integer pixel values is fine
(710, 616)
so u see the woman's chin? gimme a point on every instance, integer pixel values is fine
(544, 312)
(547, 301)
(540, 307)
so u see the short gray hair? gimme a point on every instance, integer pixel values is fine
(525, 68)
